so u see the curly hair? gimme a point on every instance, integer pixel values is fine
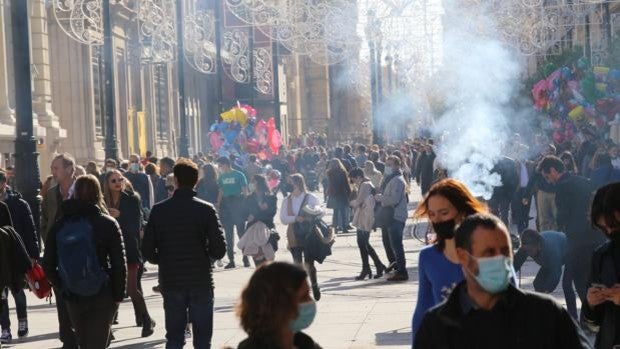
(269, 301)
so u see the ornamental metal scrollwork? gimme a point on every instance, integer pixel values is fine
(199, 44)
(81, 20)
(236, 54)
(263, 71)
(157, 23)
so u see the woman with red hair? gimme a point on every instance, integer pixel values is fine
(446, 204)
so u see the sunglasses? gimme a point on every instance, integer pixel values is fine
(119, 180)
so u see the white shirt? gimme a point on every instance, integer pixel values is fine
(285, 218)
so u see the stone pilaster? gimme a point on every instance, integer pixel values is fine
(47, 124)
(7, 115)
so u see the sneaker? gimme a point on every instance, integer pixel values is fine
(22, 329)
(6, 337)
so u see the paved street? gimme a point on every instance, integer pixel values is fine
(351, 314)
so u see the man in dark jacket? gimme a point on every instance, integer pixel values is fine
(182, 236)
(485, 310)
(573, 195)
(141, 182)
(23, 223)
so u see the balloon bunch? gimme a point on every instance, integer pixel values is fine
(577, 97)
(240, 132)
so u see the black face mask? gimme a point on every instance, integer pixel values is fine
(445, 229)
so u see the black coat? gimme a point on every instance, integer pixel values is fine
(301, 341)
(523, 320)
(109, 244)
(141, 183)
(182, 236)
(605, 261)
(266, 216)
(208, 191)
(23, 222)
(159, 188)
(130, 222)
(14, 260)
(573, 197)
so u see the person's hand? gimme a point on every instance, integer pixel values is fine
(299, 219)
(378, 197)
(525, 202)
(114, 212)
(596, 296)
(612, 294)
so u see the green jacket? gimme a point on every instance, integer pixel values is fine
(50, 210)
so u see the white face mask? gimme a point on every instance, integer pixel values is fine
(134, 167)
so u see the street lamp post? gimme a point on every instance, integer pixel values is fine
(111, 150)
(27, 177)
(183, 139)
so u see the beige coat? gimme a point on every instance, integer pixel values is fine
(364, 208)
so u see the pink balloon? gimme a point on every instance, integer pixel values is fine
(215, 140)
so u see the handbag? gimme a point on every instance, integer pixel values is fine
(300, 229)
(274, 237)
(38, 282)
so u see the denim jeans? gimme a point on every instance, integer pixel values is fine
(232, 218)
(396, 241)
(341, 216)
(198, 303)
(20, 307)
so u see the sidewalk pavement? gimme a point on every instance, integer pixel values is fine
(351, 314)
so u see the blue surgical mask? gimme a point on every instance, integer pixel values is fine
(307, 312)
(493, 273)
(388, 170)
(134, 167)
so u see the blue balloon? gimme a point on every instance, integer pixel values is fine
(222, 127)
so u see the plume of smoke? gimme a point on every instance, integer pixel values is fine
(478, 78)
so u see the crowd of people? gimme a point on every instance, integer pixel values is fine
(183, 215)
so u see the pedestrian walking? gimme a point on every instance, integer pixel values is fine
(485, 310)
(275, 307)
(447, 203)
(85, 261)
(395, 196)
(363, 220)
(124, 206)
(291, 212)
(141, 182)
(207, 188)
(23, 223)
(338, 195)
(62, 168)
(603, 297)
(261, 207)
(233, 188)
(573, 195)
(182, 236)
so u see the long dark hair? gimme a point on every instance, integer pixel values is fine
(209, 174)
(261, 184)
